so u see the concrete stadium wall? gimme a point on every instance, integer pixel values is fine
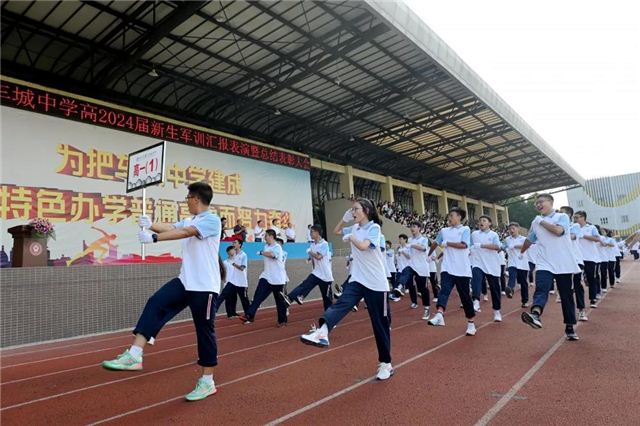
(48, 303)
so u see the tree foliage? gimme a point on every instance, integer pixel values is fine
(521, 210)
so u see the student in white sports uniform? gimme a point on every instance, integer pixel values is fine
(390, 257)
(603, 252)
(285, 256)
(518, 266)
(612, 251)
(368, 281)
(578, 289)
(417, 270)
(485, 245)
(403, 257)
(237, 286)
(635, 250)
(555, 261)
(271, 280)
(588, 240)
(258, 232)
(197, 287)
(456, 268)
(321, 276)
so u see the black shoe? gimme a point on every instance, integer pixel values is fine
(509, 292)
(532, 319)
(571, 334)
(299, 300)
(398, 291)
(285, 298)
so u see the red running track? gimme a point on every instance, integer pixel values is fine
(507, 374)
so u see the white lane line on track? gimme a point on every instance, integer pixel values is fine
(369, 379)
(502, 402)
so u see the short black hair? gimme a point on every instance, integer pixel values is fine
(415, 223)
(238, 241)
(270, 232)
(461, 212)
(547, 196)
(404, 236)
(259, 220)
(202, 191)
(569, 209)
(229, 249)
(279, 240)
(514, 224)
(274, 221)
(486, 217)
(223, 219)
(316, 228)
(388, 242)
(582, 213)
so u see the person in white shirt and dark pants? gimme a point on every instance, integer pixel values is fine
(368, 280)
(197, 287)
(321, 276)
(555, 260)
(272, 280)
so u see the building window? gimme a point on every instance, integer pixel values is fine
(604, 221)
(625, 218)
(580, 203)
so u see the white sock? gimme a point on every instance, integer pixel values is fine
(135, 350)
(324, 328)
(208, 378)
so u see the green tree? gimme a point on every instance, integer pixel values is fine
(521, 210)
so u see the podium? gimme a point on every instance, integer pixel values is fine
(28, 248)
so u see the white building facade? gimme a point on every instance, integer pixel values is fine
(611, 202)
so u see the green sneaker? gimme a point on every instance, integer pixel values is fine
(125, 361)
(202, 390)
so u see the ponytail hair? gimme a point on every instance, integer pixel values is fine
(370, 209)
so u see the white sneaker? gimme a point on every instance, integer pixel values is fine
(476, 306)
(385, 370)
(151, 341)
(558, 300)
(437, 320)
(497, 316)
(604, 290)
(414, 306)
(485, 298)
(427, 312)
(471, 329)
(503, 293)
(435, 300)
(598, 296)
(617, 280)
(315, 337)
(582, 316)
